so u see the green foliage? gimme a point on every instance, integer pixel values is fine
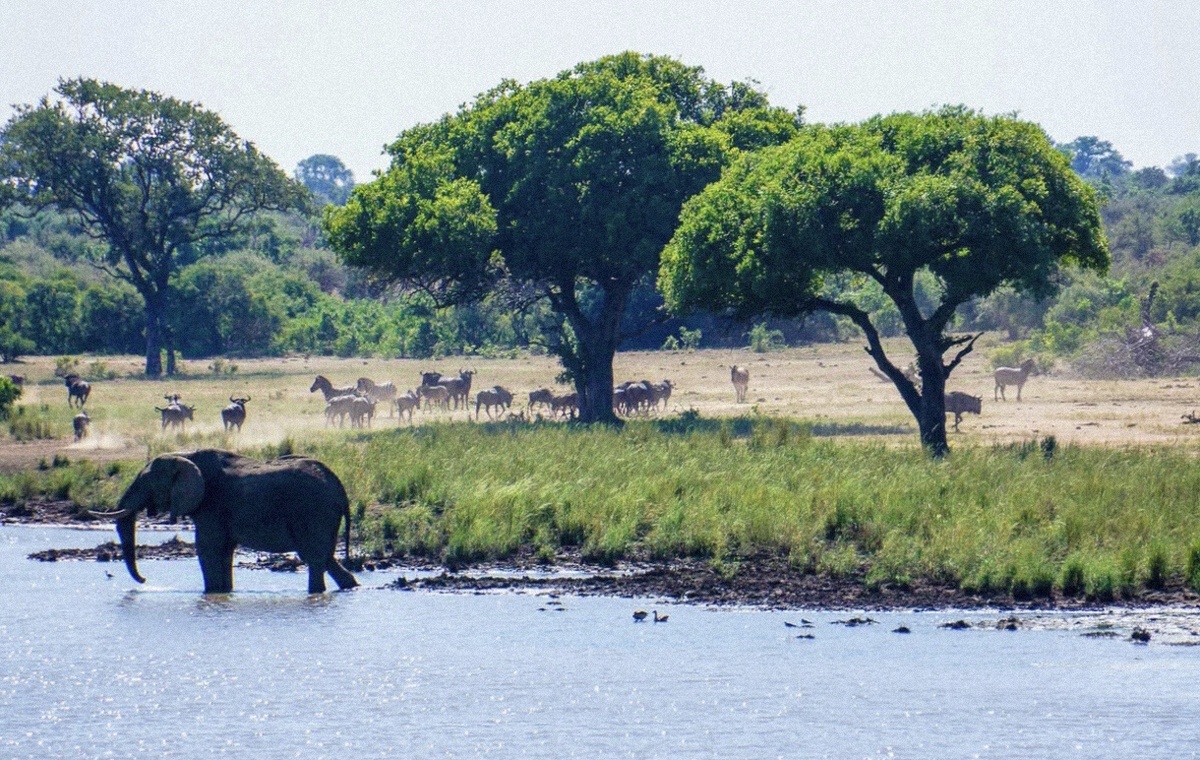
(567, 188)
(688, 340)
(150, 175)
(29, 424)
(972, 203)
(9, 393)
(764, 339)
(326, 177)
(1095, 159)
(66, 365)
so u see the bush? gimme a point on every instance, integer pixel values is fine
(66, 365)
(9, 393)
(764, 339)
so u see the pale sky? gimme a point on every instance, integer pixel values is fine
(334, 76)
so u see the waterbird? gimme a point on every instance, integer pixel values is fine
(660, 618)
(639, 615)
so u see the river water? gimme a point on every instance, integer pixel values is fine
(95, 666)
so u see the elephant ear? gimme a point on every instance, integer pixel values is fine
(186, 485)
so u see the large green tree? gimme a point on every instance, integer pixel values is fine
(150, 176)
(979, 202)
(565, 189)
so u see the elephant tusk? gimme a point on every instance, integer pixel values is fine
(118, 515)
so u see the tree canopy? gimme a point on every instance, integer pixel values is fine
(565, 188)
(978, 202)
(1093, 158)
(149, 176)
(326, 177)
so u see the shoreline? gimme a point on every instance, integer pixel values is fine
(767, 583)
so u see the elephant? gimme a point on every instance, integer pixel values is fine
(288, 504)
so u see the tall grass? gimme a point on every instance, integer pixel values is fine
(1026, 520)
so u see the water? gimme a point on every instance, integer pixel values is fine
(92, 666)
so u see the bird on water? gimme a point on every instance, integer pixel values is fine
(639, 615)
(660, 618)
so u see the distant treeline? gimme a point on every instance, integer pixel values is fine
(275, 289)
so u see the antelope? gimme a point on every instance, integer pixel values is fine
(740, 377)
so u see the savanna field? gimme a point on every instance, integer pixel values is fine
(1082, 489)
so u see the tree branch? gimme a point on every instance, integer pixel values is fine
(970, 341)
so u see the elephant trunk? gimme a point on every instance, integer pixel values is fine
(127, 532)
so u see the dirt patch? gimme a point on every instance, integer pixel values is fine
(829, 385)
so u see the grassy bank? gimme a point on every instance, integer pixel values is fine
(1030, 520)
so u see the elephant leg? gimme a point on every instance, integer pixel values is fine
(316, 578)
(217, 568)
(341, 576)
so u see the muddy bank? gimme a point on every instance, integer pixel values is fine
(59, 512)
(771, 584)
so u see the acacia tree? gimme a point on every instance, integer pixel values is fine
(978, 202)
(565, 188)
(148, 175)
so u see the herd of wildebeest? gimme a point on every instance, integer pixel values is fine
(439, 392)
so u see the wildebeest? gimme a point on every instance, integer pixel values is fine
(18, 380)
(78, 389)
(377, 392)
(567, 405)
(495, 396)
(80, 423)
(620, 404)
(740, 377)
(661, 392)
(1012, 376)
(459, 387)
(540, 396)
(322, 384)
(431, 378)
(176, 415)
(235, 414)
(958, 402)
(637, 396)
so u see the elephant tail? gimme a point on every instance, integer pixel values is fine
(346, 514)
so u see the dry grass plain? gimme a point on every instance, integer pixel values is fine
(828, 384)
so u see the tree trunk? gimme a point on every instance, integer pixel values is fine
(931, 415)
(595, 389)
(154, 339)
(596, 345)
(170, 345)
(929, 408)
